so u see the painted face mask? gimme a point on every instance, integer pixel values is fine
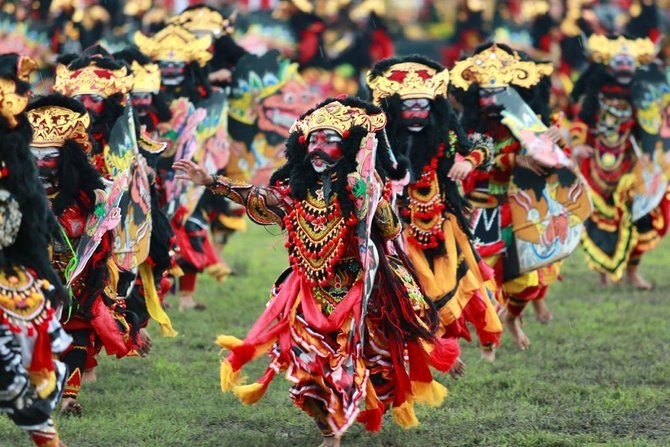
(141, 103)
(172, 72)
(47, 161)
(93, 103)
(324, 149)
(415, 113)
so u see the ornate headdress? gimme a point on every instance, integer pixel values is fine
(340, 118)
(409, 80)
(602, 49)
(175, 44)
(204, 18)
(54, 125)
(13, 103)
(147, 78)
(93, 80)
(495, 67)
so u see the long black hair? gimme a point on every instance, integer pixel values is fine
(20, 179)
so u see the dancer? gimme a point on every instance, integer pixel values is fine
(424, 132)
(97, 316)
(605, 135)
(31, 294)
(523, 205)
(344, 335)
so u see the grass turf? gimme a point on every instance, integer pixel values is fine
(599, 374)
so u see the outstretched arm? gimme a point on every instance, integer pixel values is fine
(264, 205)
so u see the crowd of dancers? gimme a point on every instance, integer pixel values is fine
(419, 205)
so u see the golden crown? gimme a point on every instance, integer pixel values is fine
(340, 118)
(603, 49)
(495, 67)
(175, 44)
(11, 102)
(147, 78)
(409, 80)
(93, 80)
(205, 19)
(53, 125)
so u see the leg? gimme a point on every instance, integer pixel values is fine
(315, 409)
(186, 291)
(458, 370)
(488, 352)
(633, 274)
(512, 320)
(75, 359)
(542, 313)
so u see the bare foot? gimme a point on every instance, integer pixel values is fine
(186, 302)
(89, 376)
(489, 353)
(458, 370)
(542, 313)
(330, 441)
(513, 325)
(605, 280)
(144, 349)
(70, 407)
(637, 281)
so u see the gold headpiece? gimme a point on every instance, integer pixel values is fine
(93, 80)
(340, 118)
(53, 125)
(602, 49)
(147, 78)
(495, 67)
(175, 44)
(207, 20)
(134, 8)
(11, 102)
(409, 80)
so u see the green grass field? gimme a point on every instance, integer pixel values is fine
(599, 374)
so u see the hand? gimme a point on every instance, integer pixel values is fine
(460, 170)
(524, 161)
(192, 172)
(554, 134)
(581, 151)
(223, 75)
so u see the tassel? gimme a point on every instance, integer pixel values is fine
(219, 271)
(229, 378)
(444, 354)
(154, 307)
(404, 416)
(371, 418)
(228, 341)
(429, 393)
(250, 394)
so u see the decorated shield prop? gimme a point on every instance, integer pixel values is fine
(133, 233)
(106, 216)
(547, 211)
(529, 130)
(547, 215)
(650, 96)
(180, 134)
